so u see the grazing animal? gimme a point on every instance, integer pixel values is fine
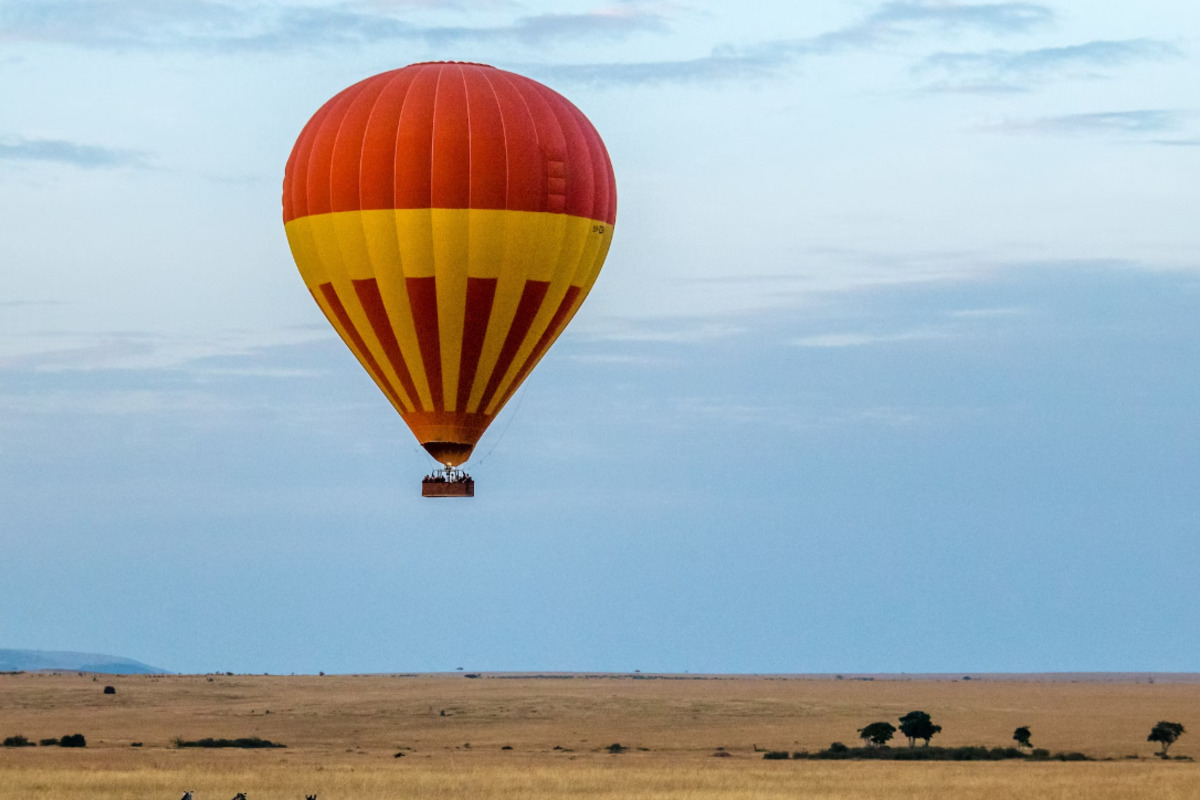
(310, 797)
(240, 796)
(186, 796)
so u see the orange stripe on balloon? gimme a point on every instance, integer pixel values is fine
(527, 309)
(356, 339)
(480, 294)
(413, 143)
(422, 298)
(372, 303)
(451, 175)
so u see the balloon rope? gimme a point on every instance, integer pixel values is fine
(511, 417)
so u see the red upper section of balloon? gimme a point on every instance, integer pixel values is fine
(449, 135)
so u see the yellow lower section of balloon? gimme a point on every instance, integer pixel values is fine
(449, 245)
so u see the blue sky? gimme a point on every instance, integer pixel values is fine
(892, 366)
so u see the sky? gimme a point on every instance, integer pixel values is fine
(893, 365)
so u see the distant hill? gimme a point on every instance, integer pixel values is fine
(34, 660)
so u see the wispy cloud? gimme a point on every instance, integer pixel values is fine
(1009, 70)
(117, 350)
(889, 23)
(660, 332)
(865, 339)
(995, 17)
(73, 153)
(792, 417)
(1143, 121)
(208, 25)
(1192, 141)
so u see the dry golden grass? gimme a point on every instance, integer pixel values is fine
(342, 734)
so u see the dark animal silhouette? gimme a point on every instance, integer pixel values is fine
(186, 796)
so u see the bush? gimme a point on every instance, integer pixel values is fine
(110, 690)
(1040, 753)
(18, 741)
(615, 748)
(74, 740)
(838, 751)
(775, 755)
(48, 742)
(248, 742)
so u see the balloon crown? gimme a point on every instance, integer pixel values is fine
(464, 63)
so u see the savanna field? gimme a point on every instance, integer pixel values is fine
(504, 737)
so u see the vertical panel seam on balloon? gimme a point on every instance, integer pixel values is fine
(439, 392)
(341, 101)
(397, 363)
(485, 74)
(404, 104)
(537, 132)
(457, 368)
(300, 187)
(476, 377)
(363, 143)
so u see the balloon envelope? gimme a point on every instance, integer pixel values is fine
(449, 219)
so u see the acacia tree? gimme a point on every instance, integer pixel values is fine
(1165, 733)
(877, 734)
(1021, 736)
(917, 725)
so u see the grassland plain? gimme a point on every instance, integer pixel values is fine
(343, 732)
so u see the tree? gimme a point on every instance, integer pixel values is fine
(1021, 736)
(917, 725)
(1165, 733)
(877, 734)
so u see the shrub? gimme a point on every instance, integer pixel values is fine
(1040, 753)
(18, 741)
(248, 742)
(838, 747)
(73, 740)
(616, 748)
(110, 690)
(775, 755)
(135, 744)
(48, 742)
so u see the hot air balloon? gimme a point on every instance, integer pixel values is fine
(449, 219)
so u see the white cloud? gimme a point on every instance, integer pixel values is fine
(865, 339)
(65, 352)
(1018, 70)
(890, 22)
(1141, 121)
(225, 27)
(76, 154)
